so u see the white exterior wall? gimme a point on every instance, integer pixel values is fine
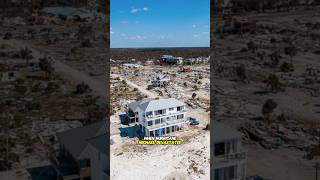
(239, 163)
(144, 121)
(98, 162)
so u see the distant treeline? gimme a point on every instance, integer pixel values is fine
(156, 53)
(264, 5)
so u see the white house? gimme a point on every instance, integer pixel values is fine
(160, 80)
(229, 162)
(157, 117)
(78, 152)
(98, 157)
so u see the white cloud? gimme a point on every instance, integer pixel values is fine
(194, 26)
(205, 32)
(124, 22)
(196, 35)
(136, 10)
(111, 32)
(123, 35)
(138, 37)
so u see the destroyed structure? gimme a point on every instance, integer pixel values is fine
(160, 80)
(131, 65)
(169, 59)
(229, 157)
(157, 117)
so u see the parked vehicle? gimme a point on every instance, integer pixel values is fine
(193, 121)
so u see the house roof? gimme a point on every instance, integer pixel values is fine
(75, 140)
(100, 143)
(155, 104)
(134, 105)
(161, 77)
(222, 133)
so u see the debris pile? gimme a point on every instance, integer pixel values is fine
(282, 133)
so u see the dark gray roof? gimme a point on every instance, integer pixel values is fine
(75, 140)
(161, 104)
(134, 105)
(222, 132)
(100, 143)
(155, 104)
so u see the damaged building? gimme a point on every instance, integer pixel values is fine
(157, 117)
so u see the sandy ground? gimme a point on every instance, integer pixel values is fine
(160, 162)
(278, 164)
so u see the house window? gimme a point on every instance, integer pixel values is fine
(180, 116)
(163, 131)
(172, 129)
(219, 149)
(171, 109)
(167, 129)
(157, 121)
(225, 173)
(160, 112)
(84, 163)
(162, 120)
(173, 117)
(179, 108)
(148, 114)
(151, 133)
(150, 123)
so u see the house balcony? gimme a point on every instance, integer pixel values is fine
(65, 167)
(239, 156)
(165, 124)
(164, 115)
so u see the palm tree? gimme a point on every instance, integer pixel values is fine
(26, 54)
(241, 72)
(252, 46)
(275, 58)
(291, 51)
(268, 108)
(274, 83)
(46, 66)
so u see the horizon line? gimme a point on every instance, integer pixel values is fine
(159, 47)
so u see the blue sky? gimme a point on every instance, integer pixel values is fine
(159, 23)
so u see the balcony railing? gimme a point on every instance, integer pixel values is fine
(163, 115)
(166, 123)
(230, 157)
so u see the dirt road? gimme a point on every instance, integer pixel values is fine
(140, 88)
(99, 87)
